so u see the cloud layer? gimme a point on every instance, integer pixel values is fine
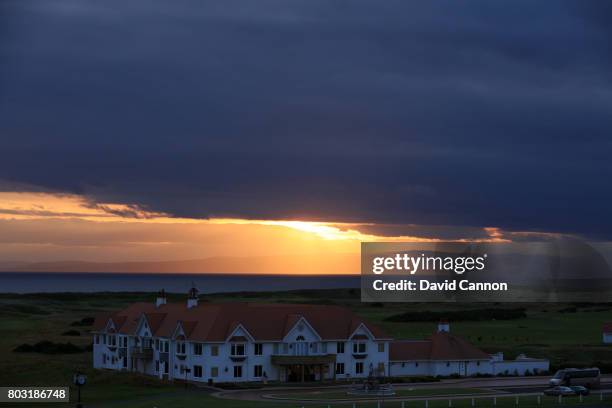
(432, 113)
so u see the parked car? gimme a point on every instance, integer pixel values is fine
(580, 390)
(560, 390)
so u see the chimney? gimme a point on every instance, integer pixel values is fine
(161, 298)
(443, 326)
(192, 298)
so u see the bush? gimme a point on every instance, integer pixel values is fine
(71, 333)
(86, 321)
(48, 347)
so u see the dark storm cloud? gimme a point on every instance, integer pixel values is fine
(434, 113)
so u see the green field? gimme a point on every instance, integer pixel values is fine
(413, 393)
(567, 338)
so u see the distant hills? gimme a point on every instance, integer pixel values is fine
(299, 264)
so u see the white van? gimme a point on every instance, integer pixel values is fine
(587, 377)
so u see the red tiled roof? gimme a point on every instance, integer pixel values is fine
(607, 327)
(188, 327)
(101, 320)
(440, 346)
(215, 322)
(409, 350)
(445, 346)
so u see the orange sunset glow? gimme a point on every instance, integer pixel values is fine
(46, 227)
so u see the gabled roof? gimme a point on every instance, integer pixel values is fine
(445, 346)
(408, 350)
(440, 346)
(215, 322)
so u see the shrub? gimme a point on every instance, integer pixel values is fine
(86, 321)
(48, 347)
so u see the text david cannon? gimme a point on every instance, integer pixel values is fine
(425, 285)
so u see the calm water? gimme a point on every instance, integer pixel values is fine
(22, 282)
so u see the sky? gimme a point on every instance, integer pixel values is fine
(153, 130)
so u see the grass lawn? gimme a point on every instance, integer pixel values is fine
(546, 332)
(407, 392)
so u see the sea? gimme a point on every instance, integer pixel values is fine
(38, 282)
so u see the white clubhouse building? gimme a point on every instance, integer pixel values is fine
(237, 342)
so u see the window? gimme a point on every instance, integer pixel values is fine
(214, 351)
(157, 344)
(257, 371)
(166, 368)
(448, 364)
(381, 347)
(340, 347)
(237, 349)
(124, 362)
(416, 364)
(180, 347)
(258, 349)
(197, 371)
(237, 371)
(339, 368)
(197, 349)
(381, 368)
(214, 372)
(314, 347)
(323, 347)
(275, 348)
(156, 366)
(359, 368)
(359, 348)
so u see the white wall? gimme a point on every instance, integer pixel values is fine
(410, 368)
(520, 366)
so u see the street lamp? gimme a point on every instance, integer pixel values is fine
(79, 380)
